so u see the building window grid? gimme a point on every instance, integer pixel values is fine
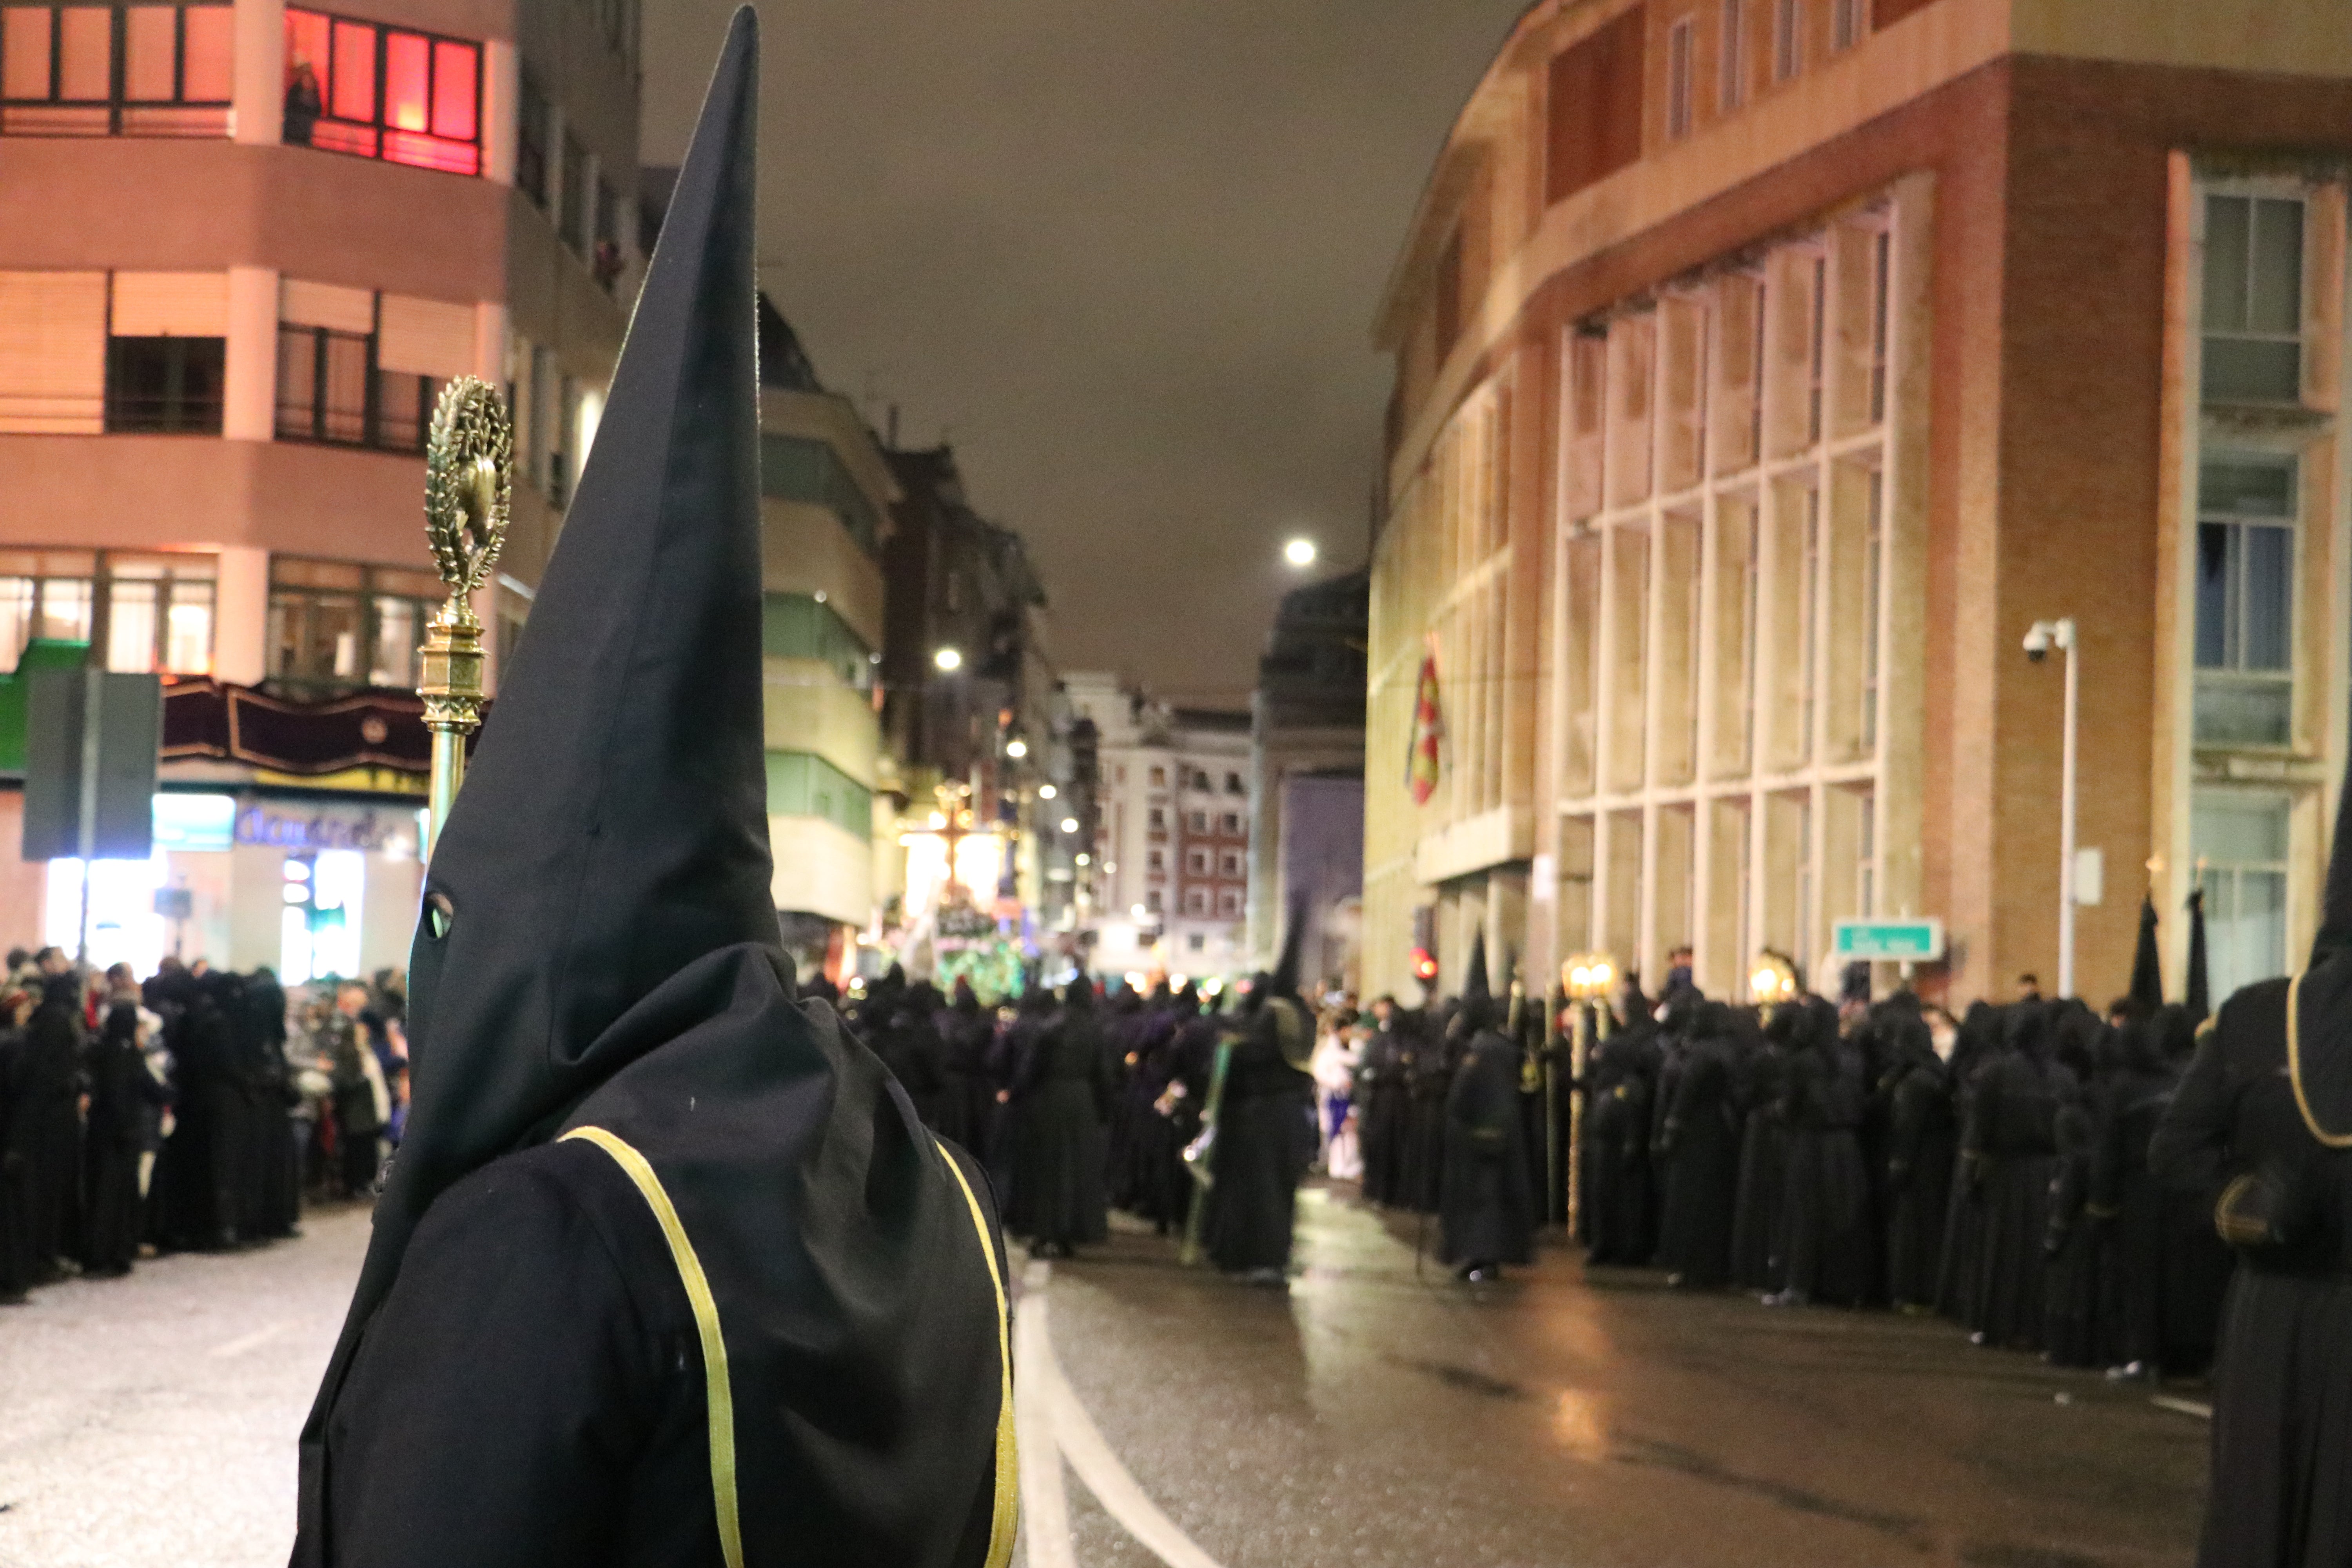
(157, 68)
(149, 612)
(2253, 299)
(373, 91)
(1752, 782)
(2245, 577)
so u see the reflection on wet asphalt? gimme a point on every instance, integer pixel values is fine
(1383, 1414)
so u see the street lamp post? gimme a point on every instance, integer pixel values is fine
(2043, 636)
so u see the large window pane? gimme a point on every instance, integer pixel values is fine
(2251, 370)
(2275, 302)
(352, 86)
(2246, 488)
(2237, 711)
(188, 631)
(64, 613)
(343, 388)
(399, 628)
(86, 66)
(208, 67)
(25, 53)
(457, 90)
(151, 43)
(2212, 595)
(2267, 604)
(2227, 237)
(407, 81)
(130, 615)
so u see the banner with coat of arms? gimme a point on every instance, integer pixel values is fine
(1428, 729)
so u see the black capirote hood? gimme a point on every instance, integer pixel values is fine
(612, 828)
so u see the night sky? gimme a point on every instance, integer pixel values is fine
(1124, 256)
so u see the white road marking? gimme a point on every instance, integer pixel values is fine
(1045, 1506)
(1054, 1426)
(243, 1342)
(2198, 1409)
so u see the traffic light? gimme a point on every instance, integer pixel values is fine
(1424, 943)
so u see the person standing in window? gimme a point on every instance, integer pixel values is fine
(303, 102)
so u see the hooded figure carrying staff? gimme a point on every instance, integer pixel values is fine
(666, 1270)
(2262, 1128)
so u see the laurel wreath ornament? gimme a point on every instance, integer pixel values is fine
(468, 485)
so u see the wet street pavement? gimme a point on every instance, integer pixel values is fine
(1373, 1416)
(1381, 1415)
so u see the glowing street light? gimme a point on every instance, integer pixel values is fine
(1016, 748)
(1299, 553)
(949, 660)
(1046, 792)
(1069, 824)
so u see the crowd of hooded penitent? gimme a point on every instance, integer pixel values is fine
(1995, 1168)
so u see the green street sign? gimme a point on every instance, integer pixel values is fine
(1890, 941)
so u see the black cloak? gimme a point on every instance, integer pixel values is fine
(666, 1270)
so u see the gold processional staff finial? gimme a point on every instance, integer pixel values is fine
(469, 482)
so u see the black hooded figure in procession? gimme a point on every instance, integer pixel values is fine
(1485, 1202)
(1061, 1087)
(2261, 1126)
(666, 1270)
(1266, 1128)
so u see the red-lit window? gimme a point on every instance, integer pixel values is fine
(159, 69)
(383, 92)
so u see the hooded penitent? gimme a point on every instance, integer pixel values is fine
(600, 951)
(2147, 969)
(1477, 1008)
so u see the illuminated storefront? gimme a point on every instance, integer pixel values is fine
(309, 887)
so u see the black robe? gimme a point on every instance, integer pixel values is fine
(45, 1133)
(2014, 1136)
(1266, 1141)
(1059, 1092)
(866, 1378)
(1616, 1181)
(1923, 1143)
(1826, 1246)
(1486, 1210)
(1763, 1170)
(1701, 1148)
(120, 1091)
(2234, 1141)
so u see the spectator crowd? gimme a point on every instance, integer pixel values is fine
(194, 1110)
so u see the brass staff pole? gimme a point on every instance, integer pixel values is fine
(469, 482)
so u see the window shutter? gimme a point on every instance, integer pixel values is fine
(425, 337)
(301, 304)
(52, 353)
(171, 304)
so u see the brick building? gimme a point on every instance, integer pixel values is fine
(1765, 370)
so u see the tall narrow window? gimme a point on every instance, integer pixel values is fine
(1678, 79)
(1788, 39)
(1817, 348)
(2245, 602)
(1874, 566)
(1866, 888)
(1731, 63)
(2253, 299)
(1845, 23)
(533, 120)
(1882, 262)
(573, 221)
(1808, 621)
(1756, 402)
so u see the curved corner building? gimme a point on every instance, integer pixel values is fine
(1764, 369)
